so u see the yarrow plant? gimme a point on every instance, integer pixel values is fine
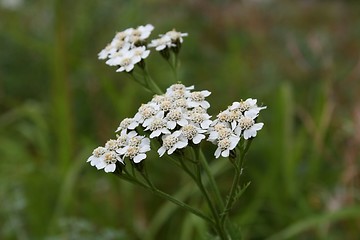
(175, 123)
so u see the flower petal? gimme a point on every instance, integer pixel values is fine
(197, 139)
(139, 158)
(217, 153)
(161, 151)
(110, 168)
(225, 153)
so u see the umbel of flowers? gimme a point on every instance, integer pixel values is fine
(178, 118)
(172, 121)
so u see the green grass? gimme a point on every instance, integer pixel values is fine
(58, 102)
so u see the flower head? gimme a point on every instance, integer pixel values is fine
(193, 133)
(157, 125)
(161, 43)
(225, 145)
(127, 123)
(108, 161)
(172, 142)
(96, 154)
(197, 99)
(139, 34)
(127, 48)
(247, 125)
(136, 148)
(247, 105)
(175, 36)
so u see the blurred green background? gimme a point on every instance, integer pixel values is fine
(58, 102)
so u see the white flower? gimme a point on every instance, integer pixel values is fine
(175, 117)
(136, 148)
(225, 145)
(108, 161)
(139, 34)
(104, 53)
(248, 126)
(145, 30)
(120, 37)
(158, 99)
(127, 61)
(161, 43)
(116, 58)
(219, 131)
(229, 116)
(116, 45)
(182, 103)
(178, 87)
(247, 105)
(96, 154)
(176, 36)
(126, 41)
(157, 125)
(178, 91)
(197, 99)
(127, 123)
(112, 145)
(172, 142)
(193, 133)
(141, 52)
(166, 105)
(199, 117)
(124, 137)
(146, 111)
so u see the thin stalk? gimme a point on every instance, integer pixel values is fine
(173, 62)
(198, 180)
(214, 212)
(238, 170)
(131, 74)
(151, 83)
(234, 185)
(166, 196)
(211, 178)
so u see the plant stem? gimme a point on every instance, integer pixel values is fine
(166, 196)
(238, 170)
(229, 201)
(151, 83)
(211, 178)
(214, 212)
(131, 74)
(173, 62)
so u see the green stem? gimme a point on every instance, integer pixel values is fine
(166, 196)
(151, 83)
(214, 212)
(173, 62)
(231, 197)
(198, 180)
(211, 178)
(234, 185)
(131, 74)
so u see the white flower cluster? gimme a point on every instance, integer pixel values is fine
(237, 121)
(130, 145)
(127, 48)
(168, 40)
(177, 117)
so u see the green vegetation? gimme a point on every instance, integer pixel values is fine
(58, 102)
